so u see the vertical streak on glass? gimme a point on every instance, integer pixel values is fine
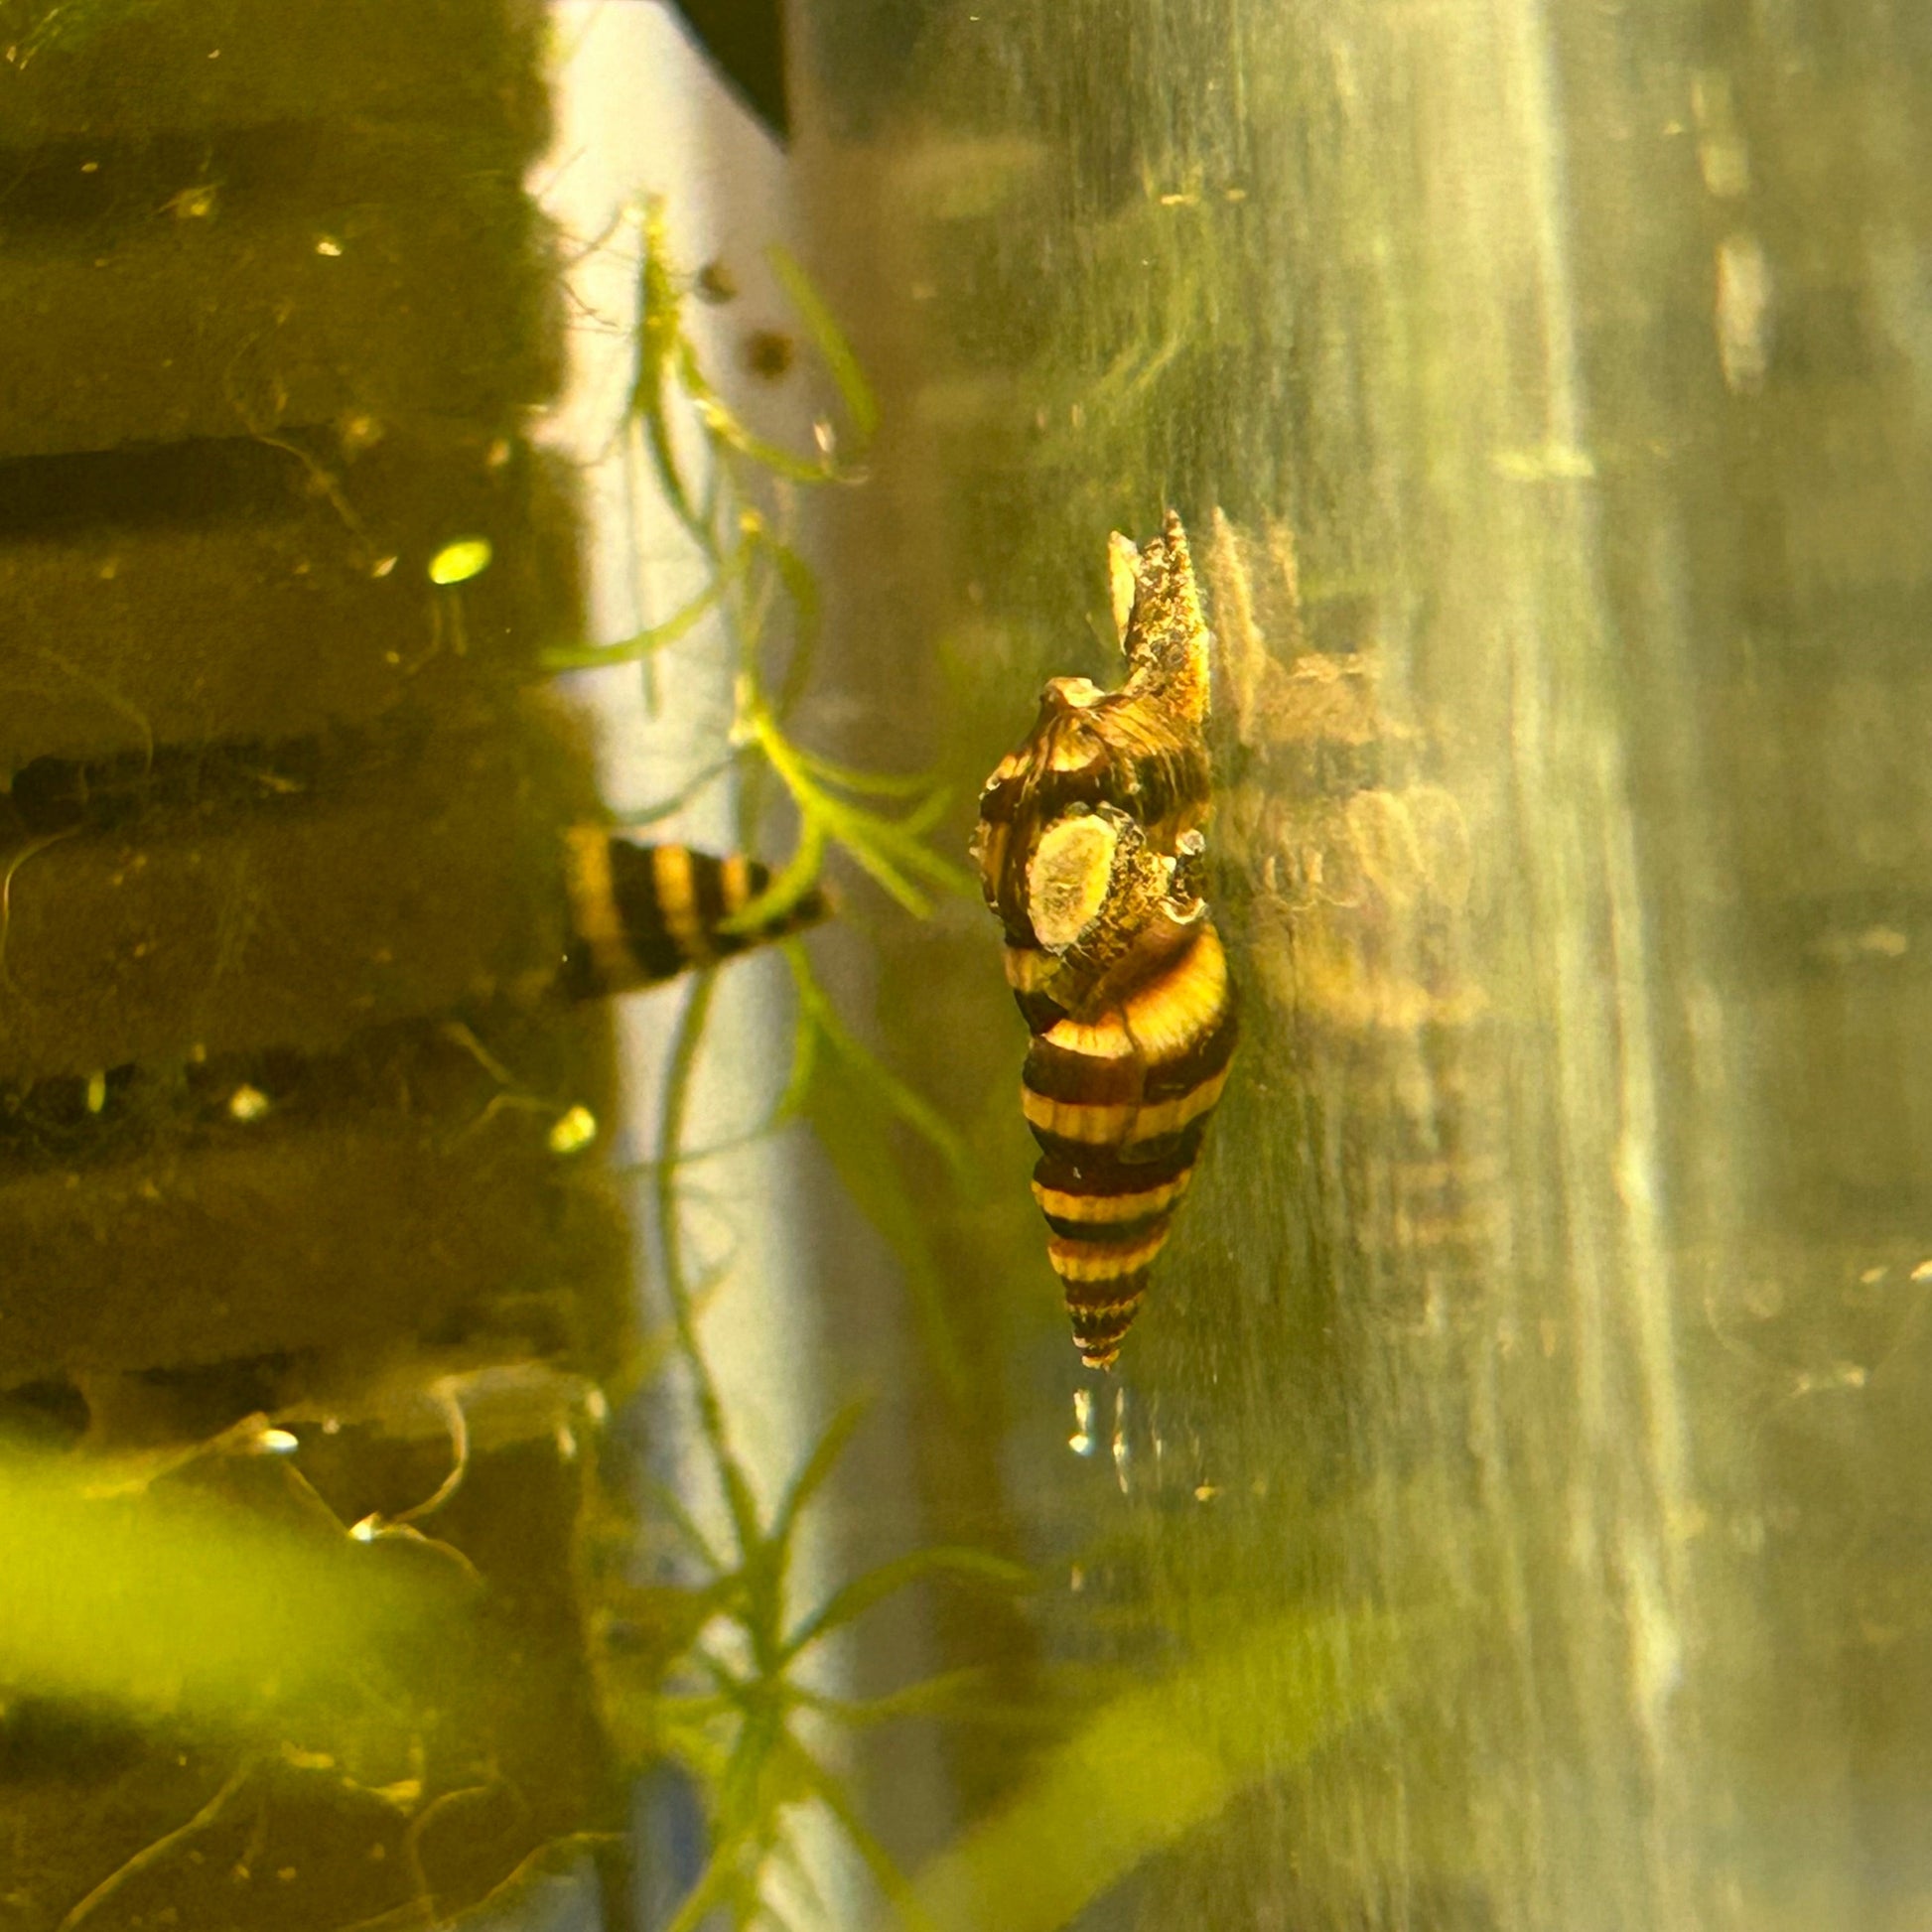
(1574, 794)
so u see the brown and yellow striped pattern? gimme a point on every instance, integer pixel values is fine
(1090, 849)
(642, 915)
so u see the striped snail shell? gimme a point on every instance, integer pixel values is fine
(1091, 848)
(641, 914)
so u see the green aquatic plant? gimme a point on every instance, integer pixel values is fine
(205, 1594)
(733, 495)
(715, 1674)
(733, 491)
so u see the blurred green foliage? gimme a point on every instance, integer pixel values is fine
(158, 1602)
(709, 1674)
(1152, 1765)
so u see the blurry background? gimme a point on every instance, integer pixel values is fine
(1506, 1512)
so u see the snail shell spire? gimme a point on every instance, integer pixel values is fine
(1090, 849)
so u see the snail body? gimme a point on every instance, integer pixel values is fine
(1090, 849)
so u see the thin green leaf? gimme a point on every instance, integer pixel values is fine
(688, 1735)
(739, 1496)
(660, 306)
(763, 585)
(723, 424)
(686, 1525)
(829, 340)
(905, 836)
(854, 1598)
(903, 839)
(717, 481)
(831, 1793)
(800, 589)
(880, 846)
(882, 784)
(649, 406)
(747, 1696)
(693, 1708)
(816, 1467)
(670, 1203)
(923, 816)
(846, 1120)
(645, 1723)
(676, 802)
(663, 1619)
(853, 835)
(759, 1783)
(955, 1694)
(715, 1885)
(896, 845)
(801, 586)
(878, 1079)
(724, 427)
(788, 885)
(653, 637)
(660, 333)
(804, 1057)
(640, 643)
(659, 1342)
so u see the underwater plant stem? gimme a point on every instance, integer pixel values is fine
(152, 1855)
(639, 644)
(13, 864)
(670, 1234)
(830, 342)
